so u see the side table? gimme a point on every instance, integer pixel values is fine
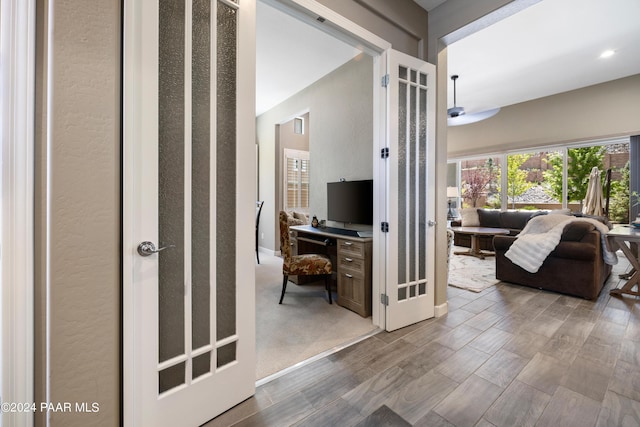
(625, 237)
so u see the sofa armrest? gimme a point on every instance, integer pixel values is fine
(503, 243)
(576, 231)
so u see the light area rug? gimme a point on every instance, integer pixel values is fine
(471, 273)
(304, 326)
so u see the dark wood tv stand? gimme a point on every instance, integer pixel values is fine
(351, 259)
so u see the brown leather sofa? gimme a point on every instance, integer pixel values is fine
(575, 267)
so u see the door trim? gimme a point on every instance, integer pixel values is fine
(18, 113)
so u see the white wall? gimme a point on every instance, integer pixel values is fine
(595, 112)
(340, 106)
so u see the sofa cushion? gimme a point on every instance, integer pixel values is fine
(575, 251)
(514, 219)
(575, 231)
(602, 219)
(470, 217)
(489, 218)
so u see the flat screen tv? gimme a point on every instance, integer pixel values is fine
(350, 202)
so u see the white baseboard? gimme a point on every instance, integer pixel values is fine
(264, 250)
(442, 309)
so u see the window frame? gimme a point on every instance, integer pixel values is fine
(299, 155)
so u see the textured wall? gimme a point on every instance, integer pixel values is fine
(340, 138)
(83, 165)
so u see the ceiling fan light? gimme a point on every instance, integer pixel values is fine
(607, 53)
(455, 111)
(472, 118)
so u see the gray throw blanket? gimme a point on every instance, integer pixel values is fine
(542, 234)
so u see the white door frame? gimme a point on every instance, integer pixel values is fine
(349, 32)
(16, 249)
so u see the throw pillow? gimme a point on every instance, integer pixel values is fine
(470, 217)
(300, 216)
(560, 212)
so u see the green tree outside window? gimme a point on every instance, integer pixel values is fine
(517, 182)
(579, 164)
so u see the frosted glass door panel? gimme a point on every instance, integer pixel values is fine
(171, 170)
(412, 185)
(196, 189)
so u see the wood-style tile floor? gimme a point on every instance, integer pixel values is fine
(508, 356)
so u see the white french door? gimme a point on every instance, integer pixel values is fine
(410, 169)
(189, 113)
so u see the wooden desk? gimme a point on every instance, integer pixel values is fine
(475, 233)
(351, 259)
(627, 238)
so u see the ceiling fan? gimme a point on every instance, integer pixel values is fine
(457, 116)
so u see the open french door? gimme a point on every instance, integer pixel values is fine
(410, 172)
(188, 298)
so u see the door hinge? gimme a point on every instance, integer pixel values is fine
(384, 153)
(384, 299)
(384, 227)
(385, 80)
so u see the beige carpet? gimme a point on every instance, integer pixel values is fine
(304, 326)
(471, 273)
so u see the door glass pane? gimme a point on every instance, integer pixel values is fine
(171, 377)
(201, 365)
(200, 174)
(422, 179)
(226, 354)
(412, 181)
(402, 294)
(402, 73)
(171, 121)
(226, 171)
(402, 183)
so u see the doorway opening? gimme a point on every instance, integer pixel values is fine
(339, 126)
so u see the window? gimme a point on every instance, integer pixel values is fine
(549, 180)
(296, 180)
(534, 180)
(298, 126)
(480, 182)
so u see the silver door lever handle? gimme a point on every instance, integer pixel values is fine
(148, 248)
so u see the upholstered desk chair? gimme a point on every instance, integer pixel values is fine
(301, 265)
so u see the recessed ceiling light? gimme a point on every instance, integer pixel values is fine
(607, 53)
